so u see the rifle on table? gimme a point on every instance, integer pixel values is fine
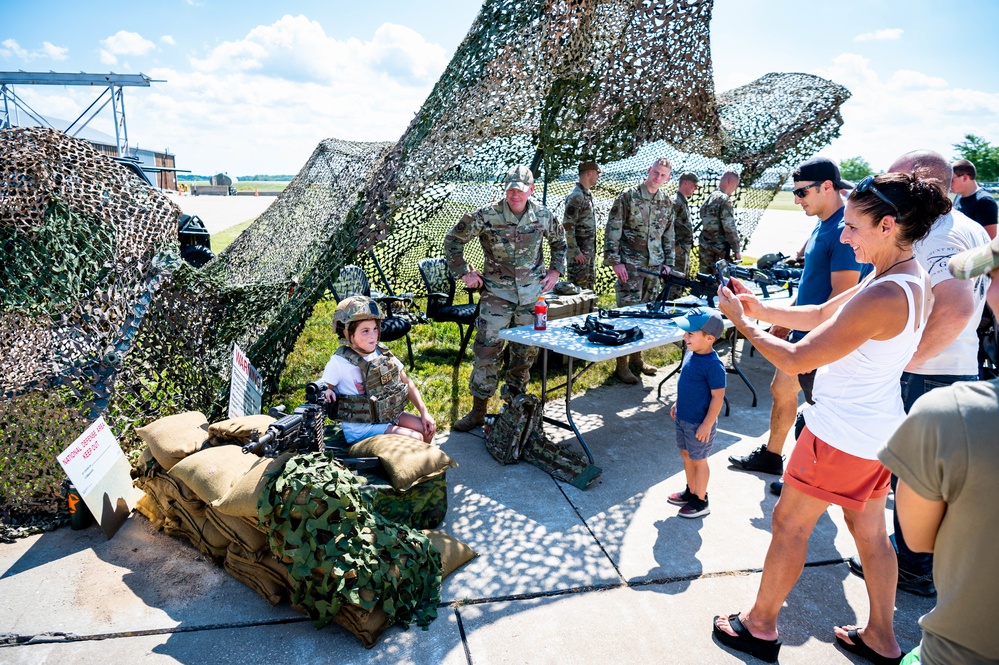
(302, 431)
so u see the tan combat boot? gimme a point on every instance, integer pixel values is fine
(623, 372)
(639, 365)
(473, 418)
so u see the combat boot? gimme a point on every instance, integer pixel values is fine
(639, 365)
(473, 418)
(623, 373)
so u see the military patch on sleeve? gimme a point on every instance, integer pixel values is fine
(461, 227)
(570, 210)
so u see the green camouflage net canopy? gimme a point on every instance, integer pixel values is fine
(99, 316)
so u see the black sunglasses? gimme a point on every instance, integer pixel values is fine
(867, 185)
(801, 191)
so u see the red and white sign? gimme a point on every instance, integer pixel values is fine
(97, 467)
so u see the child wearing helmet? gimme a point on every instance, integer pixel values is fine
(370, 383)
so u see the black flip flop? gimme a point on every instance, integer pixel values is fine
(858, 648)
(746, 642)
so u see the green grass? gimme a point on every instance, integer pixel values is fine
(784, 201)
(260, 185)
(440, 378)
(224, 238)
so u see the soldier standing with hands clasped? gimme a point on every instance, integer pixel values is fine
(511, 233)
(640, 235)
(581, 228)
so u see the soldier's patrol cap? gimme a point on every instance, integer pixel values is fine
(519, 177)
(588, 166)
(692, 177)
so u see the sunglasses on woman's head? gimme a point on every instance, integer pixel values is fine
(867, 185)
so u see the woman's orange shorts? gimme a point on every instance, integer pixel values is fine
(821, 471)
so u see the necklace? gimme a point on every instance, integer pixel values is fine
(897, 263)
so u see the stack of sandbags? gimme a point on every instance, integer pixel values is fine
(207, 491)
(208, 495)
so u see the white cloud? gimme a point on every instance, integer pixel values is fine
(887, 34)
(888, 115)
(124, 42)
(168, 40)
(10, 48)
(263, 103)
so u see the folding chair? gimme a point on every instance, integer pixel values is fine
(440, 300)
(353, 282)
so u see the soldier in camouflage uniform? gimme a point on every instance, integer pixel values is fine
(511, 233)
(581, 228)
(640, 235)
(719, 235)
(683, 229)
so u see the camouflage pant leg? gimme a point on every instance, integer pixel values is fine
(681, 263)
(709, 256)
(584, 276)
(495, 314)
(638, 289)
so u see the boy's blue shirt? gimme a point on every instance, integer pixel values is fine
(700, 373)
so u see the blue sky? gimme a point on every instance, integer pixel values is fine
(252, 87)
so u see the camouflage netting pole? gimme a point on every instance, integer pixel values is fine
(100, 317)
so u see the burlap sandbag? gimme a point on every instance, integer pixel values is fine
(213, 471)
(454, 553)
(173, 438)
(367, 626)
(240, 428)
(406, 461)
(238, 530)
(267, 576)
(241, 499)
(199, 531)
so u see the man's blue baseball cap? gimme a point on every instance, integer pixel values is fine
(707, 321)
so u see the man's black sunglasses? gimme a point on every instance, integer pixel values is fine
(867, 185)
(801, 191)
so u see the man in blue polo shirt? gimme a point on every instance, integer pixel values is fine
(830, 269)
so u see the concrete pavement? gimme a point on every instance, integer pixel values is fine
(609, 575)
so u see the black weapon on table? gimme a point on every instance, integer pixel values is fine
(302, 431)
(758, 277)
(702, 286)
(782, 269)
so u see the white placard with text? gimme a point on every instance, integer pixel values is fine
(246, 386)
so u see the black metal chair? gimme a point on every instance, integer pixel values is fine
(353, 282)
(440, 300)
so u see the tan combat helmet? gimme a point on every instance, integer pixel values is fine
(355, 308)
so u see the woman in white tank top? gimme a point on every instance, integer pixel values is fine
(860, 342)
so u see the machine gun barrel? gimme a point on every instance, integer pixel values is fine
(278, 432)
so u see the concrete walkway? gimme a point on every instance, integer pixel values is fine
(609, 575)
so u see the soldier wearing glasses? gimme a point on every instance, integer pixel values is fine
(830, 269)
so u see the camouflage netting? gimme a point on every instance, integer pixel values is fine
(340, 552)
(99, 317)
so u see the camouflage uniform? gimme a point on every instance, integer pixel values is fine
(639, 235)
(683, 234)
(719, 235)
(512, 283)
(580, 236)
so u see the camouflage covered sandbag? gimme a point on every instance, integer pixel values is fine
(339, 552)
(424, 506)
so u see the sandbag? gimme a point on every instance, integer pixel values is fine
(239, 530)
(423, 506)
(240, 428)
(454, 553)
(406, 461)
(173, 438)
(241, 499)
(213, 471)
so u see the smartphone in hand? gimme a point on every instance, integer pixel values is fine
(721, 270)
